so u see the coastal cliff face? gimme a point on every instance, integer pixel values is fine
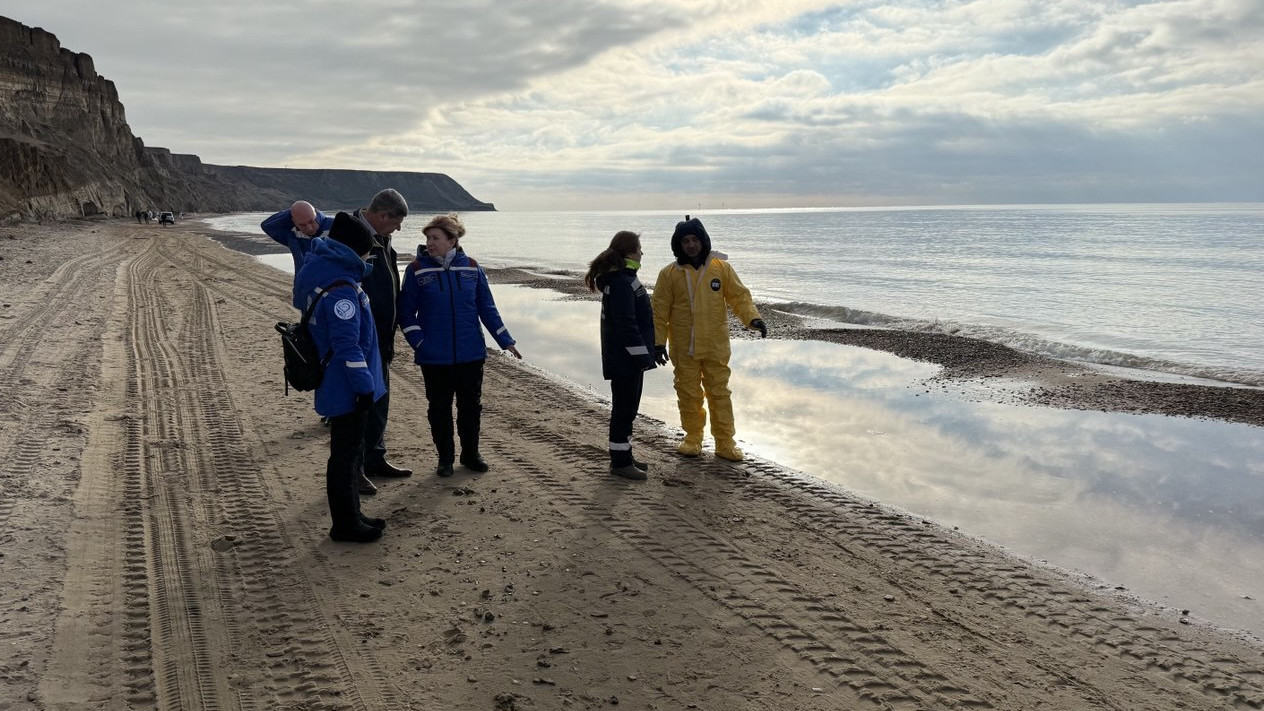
(349, 189)
(66, 150)
(64, 140)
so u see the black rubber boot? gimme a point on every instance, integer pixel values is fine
(474, 462)
(344, 509)
(628, 471)
(360, 533)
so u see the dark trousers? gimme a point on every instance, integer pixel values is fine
(346, 458)
(375, 426)
(625, 400)
(464, 381)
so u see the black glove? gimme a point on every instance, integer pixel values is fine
(364, 402)
(660, 355)
(758, 325)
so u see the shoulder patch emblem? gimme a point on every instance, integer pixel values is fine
(715, 285)
(345, 309)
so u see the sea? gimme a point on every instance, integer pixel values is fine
(1170, 289)
(1167, 509)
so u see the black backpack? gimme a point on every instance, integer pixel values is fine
(304, 368)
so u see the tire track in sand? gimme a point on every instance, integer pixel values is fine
(908, 556)
(265, 593)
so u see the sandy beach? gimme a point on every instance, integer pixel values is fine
(163, 535)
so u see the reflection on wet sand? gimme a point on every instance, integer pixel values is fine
(1170, 508)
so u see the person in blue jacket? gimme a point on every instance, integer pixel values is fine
(444, 297)
(294, 229)
(627, 343)
(343, 330)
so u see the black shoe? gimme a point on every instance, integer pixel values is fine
(366, 487)
(628, 471)
(388, 470)
(444, 470)
(474, 462)
(640, 465)
(360, 533)
(378, 523)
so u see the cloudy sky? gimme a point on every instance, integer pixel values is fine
(613, 104)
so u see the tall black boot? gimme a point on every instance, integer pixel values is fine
(344, 509)
(378, 523)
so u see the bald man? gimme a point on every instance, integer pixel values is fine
(294, 228)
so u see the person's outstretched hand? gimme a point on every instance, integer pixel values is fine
(660, 355)
(758, 325)
(514, 350)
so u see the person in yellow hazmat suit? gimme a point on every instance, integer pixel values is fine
(691, 301)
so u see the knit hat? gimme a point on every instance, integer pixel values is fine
(351, 232)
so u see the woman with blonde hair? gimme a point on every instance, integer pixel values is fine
(627, 343)
(444, 297)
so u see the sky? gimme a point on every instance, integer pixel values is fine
(706, 104)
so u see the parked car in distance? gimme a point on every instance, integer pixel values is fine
(166, 218)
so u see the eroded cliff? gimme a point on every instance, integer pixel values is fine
(66, 150)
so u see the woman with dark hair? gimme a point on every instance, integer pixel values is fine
(627, 343)
(444, 297)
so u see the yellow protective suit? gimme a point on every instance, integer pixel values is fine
(691, 318)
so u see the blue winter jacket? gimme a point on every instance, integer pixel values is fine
(440, 307)
(341, 325)
(627, 325)
(280, 227)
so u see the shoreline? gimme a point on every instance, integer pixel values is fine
(165, 506)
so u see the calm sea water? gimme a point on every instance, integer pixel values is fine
(1166, 288)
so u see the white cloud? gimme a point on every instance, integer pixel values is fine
(633, 103)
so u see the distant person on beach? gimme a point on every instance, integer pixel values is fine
(445, 296)
(627, 343)
(294, 229)
(383, 217)
(691, 301)
(342, 326)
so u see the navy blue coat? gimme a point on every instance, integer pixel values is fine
(342, 326)
(440, 308)
(627, 325)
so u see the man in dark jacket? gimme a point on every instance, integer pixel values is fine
(384, 216)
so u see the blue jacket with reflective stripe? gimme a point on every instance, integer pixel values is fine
(280, 227)
(440, 308)
(341, 325)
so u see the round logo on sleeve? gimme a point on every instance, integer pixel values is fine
(345, 309)
(715, 285)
